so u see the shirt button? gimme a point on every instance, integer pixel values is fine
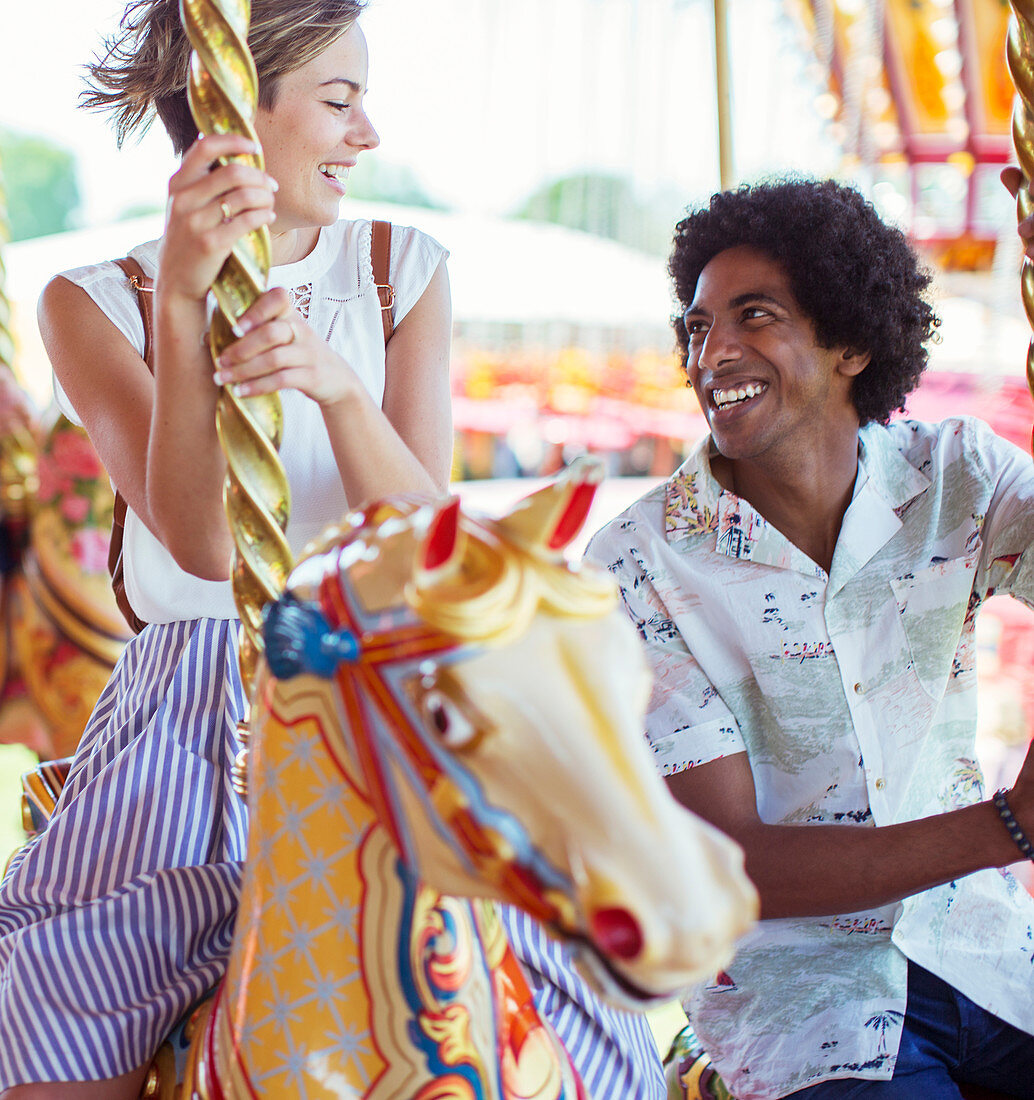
(880, 783)
(859, 690)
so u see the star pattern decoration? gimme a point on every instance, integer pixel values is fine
(306, 962)
(352, 1047)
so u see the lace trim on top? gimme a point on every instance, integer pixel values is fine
(365, 257)
(301, 298)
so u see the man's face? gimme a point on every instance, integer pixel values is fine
(763, 382)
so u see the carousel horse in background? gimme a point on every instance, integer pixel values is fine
(449, 711)
(689, 1072)
(60, 629)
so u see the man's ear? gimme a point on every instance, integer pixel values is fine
(852, 362)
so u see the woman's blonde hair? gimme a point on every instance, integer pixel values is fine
(142, 71)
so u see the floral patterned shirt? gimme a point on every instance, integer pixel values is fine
(854, 696)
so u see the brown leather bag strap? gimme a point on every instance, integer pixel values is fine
(144, 288)
(380, 251)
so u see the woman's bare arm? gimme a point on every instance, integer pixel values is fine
(417, 399)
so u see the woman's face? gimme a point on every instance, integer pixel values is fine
(315, 131)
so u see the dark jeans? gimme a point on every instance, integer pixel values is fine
(947, 1040)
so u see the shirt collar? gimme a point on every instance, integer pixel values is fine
(691, 496)
(694, 501)
(892, 476)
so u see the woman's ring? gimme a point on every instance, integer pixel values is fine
(227, 213)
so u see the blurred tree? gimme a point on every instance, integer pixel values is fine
(609, 206)
(594, 202)
(382, 181)
(42, 190)
(139, 210)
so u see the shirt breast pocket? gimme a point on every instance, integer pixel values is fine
(932, 606)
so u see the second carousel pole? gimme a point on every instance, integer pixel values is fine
(722, 93)
(1020, 55)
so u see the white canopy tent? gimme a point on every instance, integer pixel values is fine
(503, 273)
(540, 283)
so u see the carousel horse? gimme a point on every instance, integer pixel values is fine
(60, 629)
(448, 711)
(689, 1072)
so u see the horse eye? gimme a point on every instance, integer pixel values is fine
(451, 725)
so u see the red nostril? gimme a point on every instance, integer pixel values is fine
(617, 932)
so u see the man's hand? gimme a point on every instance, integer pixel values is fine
(1013, 180)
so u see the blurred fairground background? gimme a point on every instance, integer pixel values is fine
(551, 145)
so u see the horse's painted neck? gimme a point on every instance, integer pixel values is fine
(317, 862)
(346, 972)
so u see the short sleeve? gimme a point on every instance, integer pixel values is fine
(414, 259)
(109, 288)
(62, 402)
(687, 722)
(1007, 560)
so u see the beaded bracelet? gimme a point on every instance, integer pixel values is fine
(1010, 822)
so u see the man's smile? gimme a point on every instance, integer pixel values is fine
(736, 395)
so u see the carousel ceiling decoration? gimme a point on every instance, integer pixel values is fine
(918, 92)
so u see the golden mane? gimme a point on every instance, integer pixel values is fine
(499, 585)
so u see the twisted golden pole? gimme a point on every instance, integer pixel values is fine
(723, 94)
(18, 479)
(223, 92)
(1020, 54)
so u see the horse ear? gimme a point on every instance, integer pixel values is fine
(442, 546)
(550, 519)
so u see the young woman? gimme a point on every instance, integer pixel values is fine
(120, 916)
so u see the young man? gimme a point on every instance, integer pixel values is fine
(806, 585)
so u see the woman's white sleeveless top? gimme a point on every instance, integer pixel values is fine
(334, 288)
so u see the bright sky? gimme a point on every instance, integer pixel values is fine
(482, 98)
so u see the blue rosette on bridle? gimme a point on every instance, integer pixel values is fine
(299, 639)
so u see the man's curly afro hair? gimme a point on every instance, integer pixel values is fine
(858, 279)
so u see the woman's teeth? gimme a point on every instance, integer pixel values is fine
(335, 171)
(724, 398)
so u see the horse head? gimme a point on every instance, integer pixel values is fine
(493, 697)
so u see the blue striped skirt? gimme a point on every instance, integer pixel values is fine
(120, 915)
(614, 1051)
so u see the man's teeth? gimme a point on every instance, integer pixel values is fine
(335, 171)
(724, 398)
